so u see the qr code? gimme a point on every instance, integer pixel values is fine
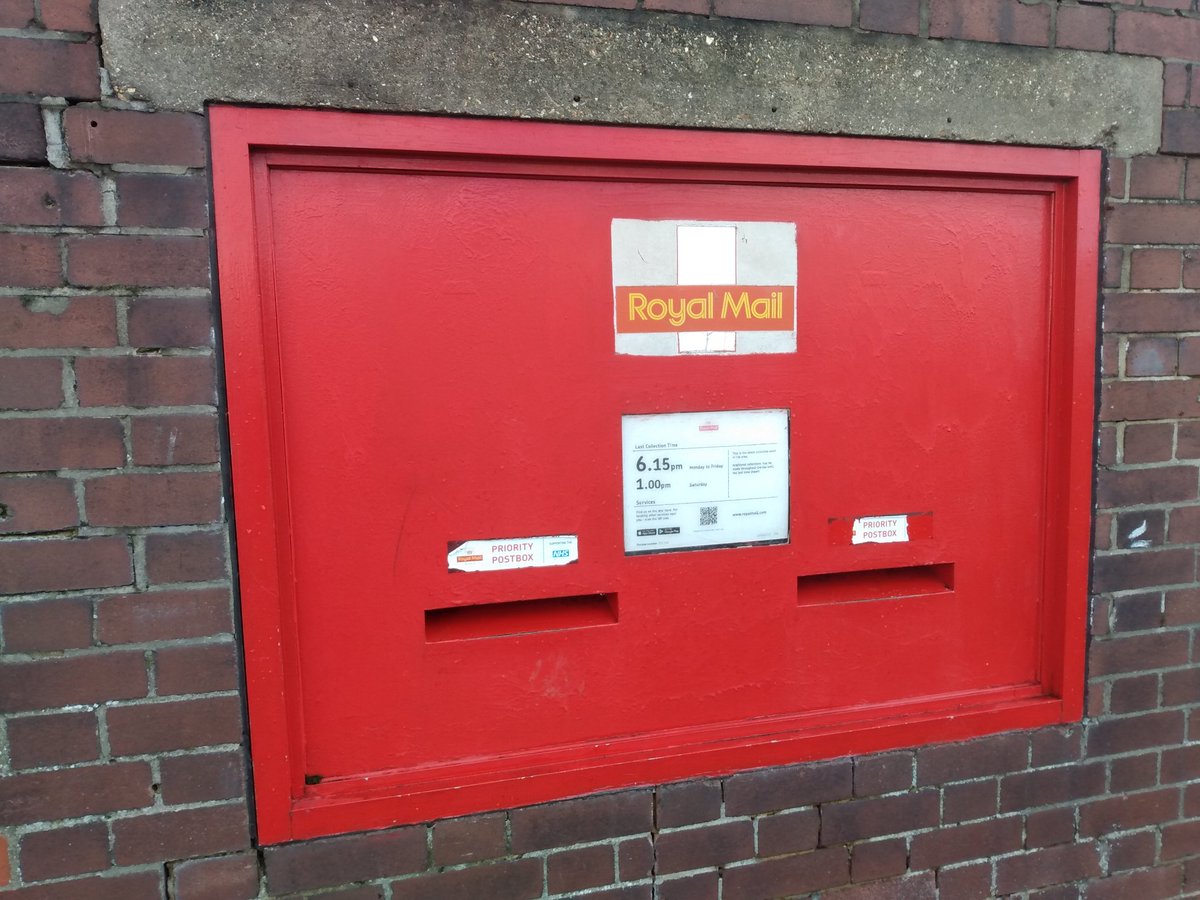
(708, 515)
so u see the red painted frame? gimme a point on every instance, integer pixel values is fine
(245, 142)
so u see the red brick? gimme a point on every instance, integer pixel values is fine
(935, 849)
(1152, 223)
(1155, 177)
(47, 68)
(804, 12)
(969, 800)
(162, 201)
(174, 725)
(1139, 612)
(1191, 271)
(878, 859)
(29, 260)
(469, 839)
(635, 859)
(1189, 356)
(163, 616)
(1181, 688)
(1135, 733)
(72, 793)
(970, 882)
(1182, 608)
(143, 381)
(39, 445)
(53, 740)
(170, 322)
(1117, 170)
(17, 14)
(60, 852)
(700, 886)
(1051, 865)
(232, 877)
(179, 498)
(1154, 268)
(1149, 400)
(883, 774)
(1046, 787)
(1107, 452)
(22, 134)
(767, 790)
(46, 625)
(353, 857)
(579, 869)
(1143, 569)
(1135, 850)
(68, 681)
(1127, 812)
(135, 886)
(202, 777)
(184, 557)
(1135, 487)
(1003, 21)
(921, 886)
(1180, 840)
(1150, 312)
(178, 835)
(1133, 773)
(123, 136)
(695, 7)
(1146, 443)
(48, 197)
(1047, 827)
(786, 875)
(48, 322)
(1152, 34)
(895, 16)
(517, 880)
(1184, 523)
(37, 504)
(1054, 745)
(854, 820)
(595, 818)
(938, 764)
(1111, 263)
(1083, 28)
(790, 832)
(1149, 884)
(696, 848)
(196, 668)
(174, 440)
(1135, 694)
(31, 382)
(70, 15)
(687, 803)
(102, 260)
(1103, 530)
(1138, 652)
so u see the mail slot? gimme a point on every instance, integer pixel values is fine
(569, 457)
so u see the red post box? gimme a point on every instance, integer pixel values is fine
(572, 457)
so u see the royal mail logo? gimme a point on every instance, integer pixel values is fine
(718, 307)
(689, 286)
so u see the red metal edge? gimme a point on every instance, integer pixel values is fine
(322, 816)
(283, 813)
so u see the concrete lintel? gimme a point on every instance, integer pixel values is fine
(496, 58)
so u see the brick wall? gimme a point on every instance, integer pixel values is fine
(122, 757)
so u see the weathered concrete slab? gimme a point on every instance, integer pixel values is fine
(494, 58)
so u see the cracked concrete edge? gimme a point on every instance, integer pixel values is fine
(498, 58)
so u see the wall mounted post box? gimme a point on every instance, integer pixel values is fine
(568, 457)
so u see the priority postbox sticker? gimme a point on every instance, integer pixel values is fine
(494, 555)
(698, 287)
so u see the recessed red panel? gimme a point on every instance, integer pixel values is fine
(448, 603)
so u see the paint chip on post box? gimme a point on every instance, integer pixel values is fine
(512, 553)
(684, 287)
